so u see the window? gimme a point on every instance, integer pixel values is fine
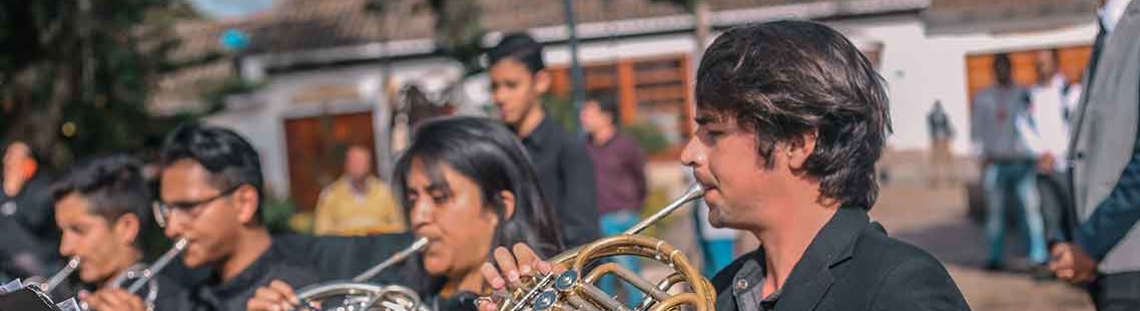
(653, 92)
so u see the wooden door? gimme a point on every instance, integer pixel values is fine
(316, 147)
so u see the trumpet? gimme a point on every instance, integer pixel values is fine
(574, 289)
(358, 294)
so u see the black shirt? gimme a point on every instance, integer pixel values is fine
(27, 227)
(566, 176)
(233, 294)
(850, 265)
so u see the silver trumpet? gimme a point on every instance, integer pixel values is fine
(357, 294)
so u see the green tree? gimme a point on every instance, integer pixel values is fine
(75, 76)
(458, 32)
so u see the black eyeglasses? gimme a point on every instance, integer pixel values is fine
(191, 209)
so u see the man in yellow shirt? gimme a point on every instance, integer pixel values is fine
(358, 203)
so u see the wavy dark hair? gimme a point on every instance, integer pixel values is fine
(781, 80)
(485, 151)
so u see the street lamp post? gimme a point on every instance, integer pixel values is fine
(576, 84)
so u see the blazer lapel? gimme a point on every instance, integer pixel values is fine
(804, 291)
(812, 276)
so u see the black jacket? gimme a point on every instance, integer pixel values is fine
(233, 294)
(566, 177)
(850, 265)
(27, 227)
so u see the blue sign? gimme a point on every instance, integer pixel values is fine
(234, 39)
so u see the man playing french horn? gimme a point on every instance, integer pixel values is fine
(791, 121)
(101, 206)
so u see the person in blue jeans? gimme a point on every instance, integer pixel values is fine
(619, 164)
(1010, 163)
(1020, 179)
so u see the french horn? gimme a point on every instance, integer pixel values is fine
(360, 295)
(575, 289)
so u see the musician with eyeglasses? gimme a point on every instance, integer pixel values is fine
(102, 207)
(468, 188)
(210, 195)
(792, 119)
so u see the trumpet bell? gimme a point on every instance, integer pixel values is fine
(360, 297)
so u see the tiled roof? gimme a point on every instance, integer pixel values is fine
(303, 25)
(1006, 15)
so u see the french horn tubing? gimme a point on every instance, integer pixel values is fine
(575, 289)
(360, 295)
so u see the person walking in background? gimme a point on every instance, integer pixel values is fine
(28, 235)
(518, 81)
(941, 133)
(1046, 130)
(619, 165)
(358, 203)
(1105, 248)
(1008, 163)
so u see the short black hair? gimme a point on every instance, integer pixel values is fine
(608, 106)
(520, 47)
(231, 159)
(783, 79)
(112, 184)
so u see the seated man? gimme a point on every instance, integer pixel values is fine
(102, 206)
(358, 203)
(791, 120)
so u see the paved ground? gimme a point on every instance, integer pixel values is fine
(935, 219)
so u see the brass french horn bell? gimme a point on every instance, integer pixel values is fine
(575, 288)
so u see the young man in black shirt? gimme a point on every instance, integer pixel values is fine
(102, 205)
(518, 81)
(791, 121)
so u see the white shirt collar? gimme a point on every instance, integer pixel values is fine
(1110, 13)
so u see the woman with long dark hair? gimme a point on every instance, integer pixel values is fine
(469, 188)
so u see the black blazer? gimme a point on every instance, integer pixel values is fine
(850, 265)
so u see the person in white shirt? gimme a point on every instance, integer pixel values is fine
(1046, 130)
(1054, 99)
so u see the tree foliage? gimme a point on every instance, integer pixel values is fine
(458, 30)
(75, 75)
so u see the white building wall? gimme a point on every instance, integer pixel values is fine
(918, 69)
(263, 121)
